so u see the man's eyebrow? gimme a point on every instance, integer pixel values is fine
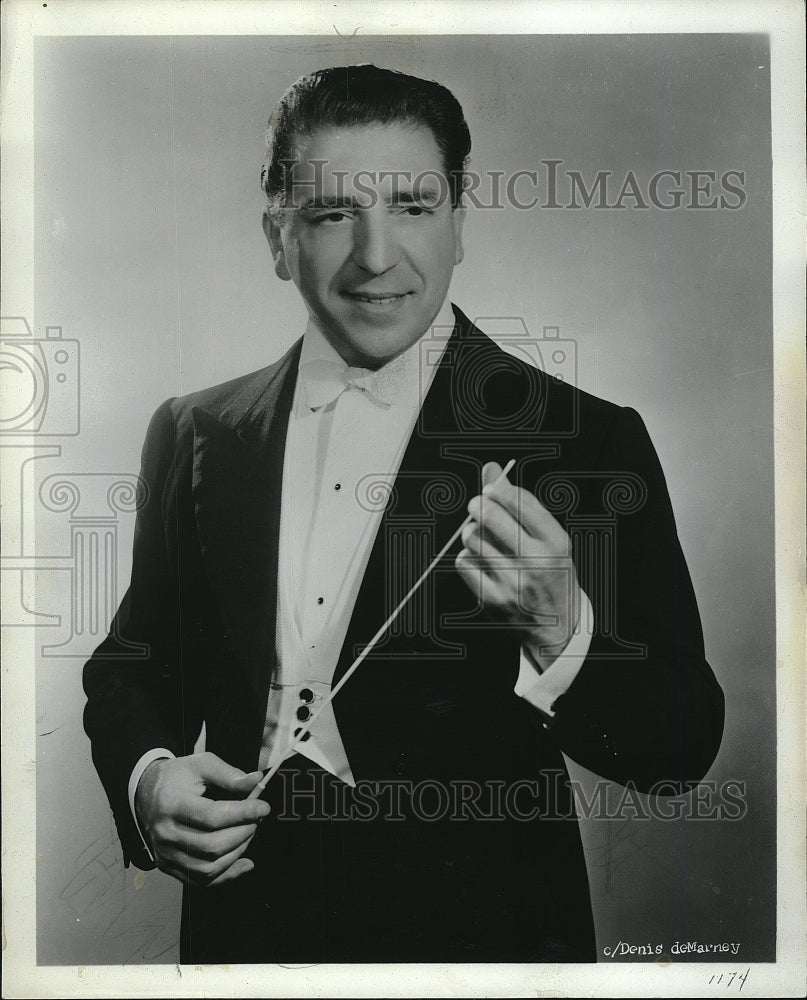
(424, 194)
(325, 202)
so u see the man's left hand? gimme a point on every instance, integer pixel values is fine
(517, 559)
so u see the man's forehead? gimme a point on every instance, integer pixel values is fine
(338, 156)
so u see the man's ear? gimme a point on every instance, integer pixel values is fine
(458, 218)
(272, 232)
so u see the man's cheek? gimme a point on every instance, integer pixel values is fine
(319, 266)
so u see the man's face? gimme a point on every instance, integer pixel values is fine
(372, 239)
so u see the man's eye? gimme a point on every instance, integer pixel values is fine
(333, 217)
(330, 218)
(414, 211)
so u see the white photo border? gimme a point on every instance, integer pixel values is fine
(23, 21)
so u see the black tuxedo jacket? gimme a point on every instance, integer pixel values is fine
(433, 707)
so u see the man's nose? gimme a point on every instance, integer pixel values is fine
(375, 244)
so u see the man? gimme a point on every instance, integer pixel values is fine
(427, 813)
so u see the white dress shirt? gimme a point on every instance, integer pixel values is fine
(348, 428)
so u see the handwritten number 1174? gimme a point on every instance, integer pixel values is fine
(730, 977)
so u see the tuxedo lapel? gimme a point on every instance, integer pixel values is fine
(417, 661)
(425, 504)
(439, 473)
(237, 481)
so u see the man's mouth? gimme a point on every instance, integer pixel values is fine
(377, 298)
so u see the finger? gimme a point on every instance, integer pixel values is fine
(490, 473)
(202, 847)
(194, 874)
(218, 773)
(183, 863)
(216, 872)
(479, 543)
(483, 586)
(241, 867)
(470, 572)
(498, 526)
(495, 579)
(219, 814)
(248, 782)
(528, 511)
(485, 553)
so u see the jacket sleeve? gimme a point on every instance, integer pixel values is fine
(645, 708)
(133, 681)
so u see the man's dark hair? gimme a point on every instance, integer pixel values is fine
(344, 96)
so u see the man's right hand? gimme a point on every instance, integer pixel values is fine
(196, 839)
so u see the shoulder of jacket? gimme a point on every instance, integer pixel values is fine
(560, 393)
(218, 398)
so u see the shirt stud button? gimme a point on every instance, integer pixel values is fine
(337, 486)
(303, 713)
(320, 600)
(306, 695)
(306, 736)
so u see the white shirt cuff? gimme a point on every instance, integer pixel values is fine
(159, 753)
(541, 689)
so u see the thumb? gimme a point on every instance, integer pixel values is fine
(215, 771)
(490, 473)
(236, 870)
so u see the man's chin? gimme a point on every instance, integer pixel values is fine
(375, 347)
(375, 359)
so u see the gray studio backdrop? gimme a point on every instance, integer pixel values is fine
(150, 255)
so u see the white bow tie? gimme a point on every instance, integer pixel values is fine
(325, 380)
